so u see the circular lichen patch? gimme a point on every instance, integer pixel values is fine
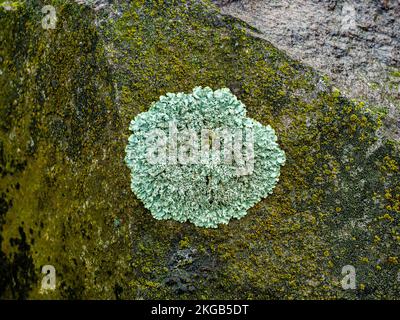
(197, 157)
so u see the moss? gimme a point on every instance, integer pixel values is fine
(395, 73)
(68, 97)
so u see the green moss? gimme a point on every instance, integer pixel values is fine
(395, 73)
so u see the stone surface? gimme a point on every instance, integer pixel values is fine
(67, 98)
(356, 43)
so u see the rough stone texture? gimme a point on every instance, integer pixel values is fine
(356, 43)
(67, 97)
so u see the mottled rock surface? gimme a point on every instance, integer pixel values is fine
(356, 43)
(67, 97)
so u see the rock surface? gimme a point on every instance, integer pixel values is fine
(68, 95)
(356, 43)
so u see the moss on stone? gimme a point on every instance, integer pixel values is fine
(67, 98)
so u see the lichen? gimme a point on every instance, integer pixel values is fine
(200, 173)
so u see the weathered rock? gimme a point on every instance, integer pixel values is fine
(67, 98)
(356, 43)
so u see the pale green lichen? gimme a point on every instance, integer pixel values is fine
(210, 192)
